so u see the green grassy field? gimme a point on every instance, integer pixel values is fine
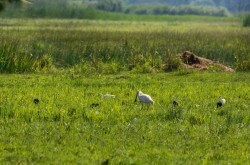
(66, 63)
(108, 47)
(64, 128)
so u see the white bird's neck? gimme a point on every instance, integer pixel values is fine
(223, 101)
(139, 93)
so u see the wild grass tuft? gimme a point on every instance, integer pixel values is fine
(15, 60)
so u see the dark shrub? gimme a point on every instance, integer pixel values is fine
(246, 20)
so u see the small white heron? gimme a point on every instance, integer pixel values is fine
(107, 96)
(221, 102)
(144, 98)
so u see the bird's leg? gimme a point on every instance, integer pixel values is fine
(141, 106)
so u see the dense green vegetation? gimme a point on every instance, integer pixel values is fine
(116, 6)
(75, 8)
(181, 10)
(246, 21)
(3, 3)
(90, 47)
(78, 9)
(64, 128)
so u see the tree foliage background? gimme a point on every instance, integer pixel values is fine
(231, 5)
(75, 8)
(4, 2)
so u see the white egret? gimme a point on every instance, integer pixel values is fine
(144, 98)
(221, 102)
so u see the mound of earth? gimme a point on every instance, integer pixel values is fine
(191, 60)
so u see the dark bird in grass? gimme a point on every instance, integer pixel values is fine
(105, 162)
(175, 103)
(94, 105)
(36, 100)
(221, 102)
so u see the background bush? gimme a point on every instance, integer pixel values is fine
(110, 5)
(246, 20)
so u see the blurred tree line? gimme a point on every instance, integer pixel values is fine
(4, 2)
(195, 7)
(231, 5)
(76, 8)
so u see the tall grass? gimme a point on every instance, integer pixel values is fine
(122, 46)
(16, 60)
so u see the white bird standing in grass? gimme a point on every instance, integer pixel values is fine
(144, 98)
(221, 102)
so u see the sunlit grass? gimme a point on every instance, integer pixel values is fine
(64, 128)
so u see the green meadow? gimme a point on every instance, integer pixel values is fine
(67, 63)
(65, 127)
